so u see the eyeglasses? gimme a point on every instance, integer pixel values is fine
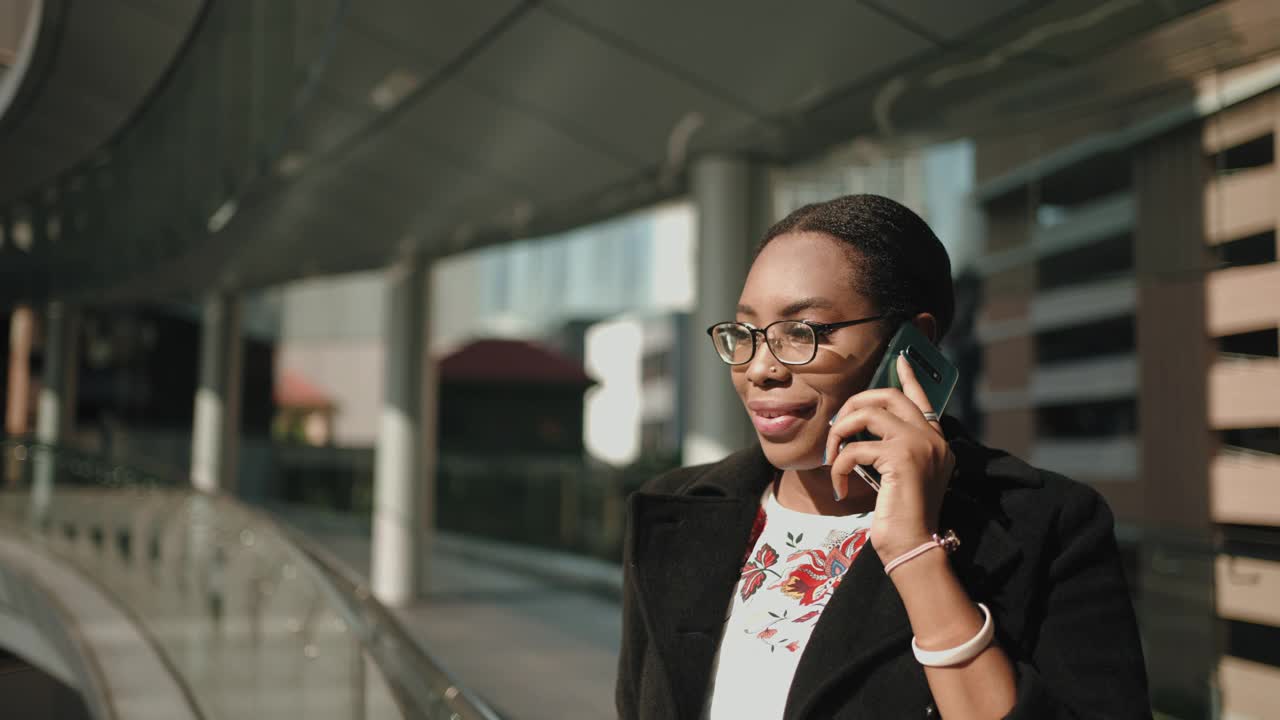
(792, 342)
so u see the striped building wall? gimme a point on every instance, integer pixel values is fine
(1241, 298)
(1130, 334)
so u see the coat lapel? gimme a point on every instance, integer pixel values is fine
(687, 552)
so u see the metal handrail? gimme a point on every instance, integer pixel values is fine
(417, 684)
(98, 692)
(465, 703)
(30, 600)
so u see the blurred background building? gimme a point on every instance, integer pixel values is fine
(1130, 340)
(338, 332)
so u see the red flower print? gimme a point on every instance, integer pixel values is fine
(767, 633)
(815, 580)
(753, 571)
(807, 616)
(793, 646)
(767, 555)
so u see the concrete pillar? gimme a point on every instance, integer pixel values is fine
(404, 469)
(215, 433)
(729, 196)
(55, 410)
(18, 393)
(1177, 573)
(17, 410)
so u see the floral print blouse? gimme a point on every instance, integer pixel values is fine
(795, 562)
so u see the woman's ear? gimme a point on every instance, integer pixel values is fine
(928, 325)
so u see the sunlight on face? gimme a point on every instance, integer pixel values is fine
(804, 276)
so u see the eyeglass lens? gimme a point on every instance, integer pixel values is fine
(790, 341)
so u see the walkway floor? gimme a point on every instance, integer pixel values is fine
(532, 649)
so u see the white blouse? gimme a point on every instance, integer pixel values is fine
(797, 561)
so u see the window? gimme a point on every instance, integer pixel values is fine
(1086, 181)
(1107, 258)
(1107, 418)
(1251, 641)
(1256, 344)
(1257, 249)
(1255, 153)
(1113, 336)
(1262, 439)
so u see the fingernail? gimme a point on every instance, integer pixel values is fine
(835, 491)
(824, 456)
(833, 419)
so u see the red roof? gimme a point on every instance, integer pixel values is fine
(512, 361)
(294, 391)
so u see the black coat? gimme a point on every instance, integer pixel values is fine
(1037, 548)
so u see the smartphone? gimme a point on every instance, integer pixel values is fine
(936, 374)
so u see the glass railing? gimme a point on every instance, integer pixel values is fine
(253, 619)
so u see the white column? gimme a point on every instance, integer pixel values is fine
(404, 468)
(729, 197)
(55, 408)
(215, 434)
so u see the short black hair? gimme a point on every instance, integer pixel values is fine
(905, 269)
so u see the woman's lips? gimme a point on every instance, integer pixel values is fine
(776, 422)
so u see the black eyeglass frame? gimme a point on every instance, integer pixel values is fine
(816, 328)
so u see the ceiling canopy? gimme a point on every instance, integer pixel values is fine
(176, 146)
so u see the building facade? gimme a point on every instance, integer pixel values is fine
(1129, 340)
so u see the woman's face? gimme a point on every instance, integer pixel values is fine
(804, 276)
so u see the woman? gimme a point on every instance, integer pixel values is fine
(756, 587)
